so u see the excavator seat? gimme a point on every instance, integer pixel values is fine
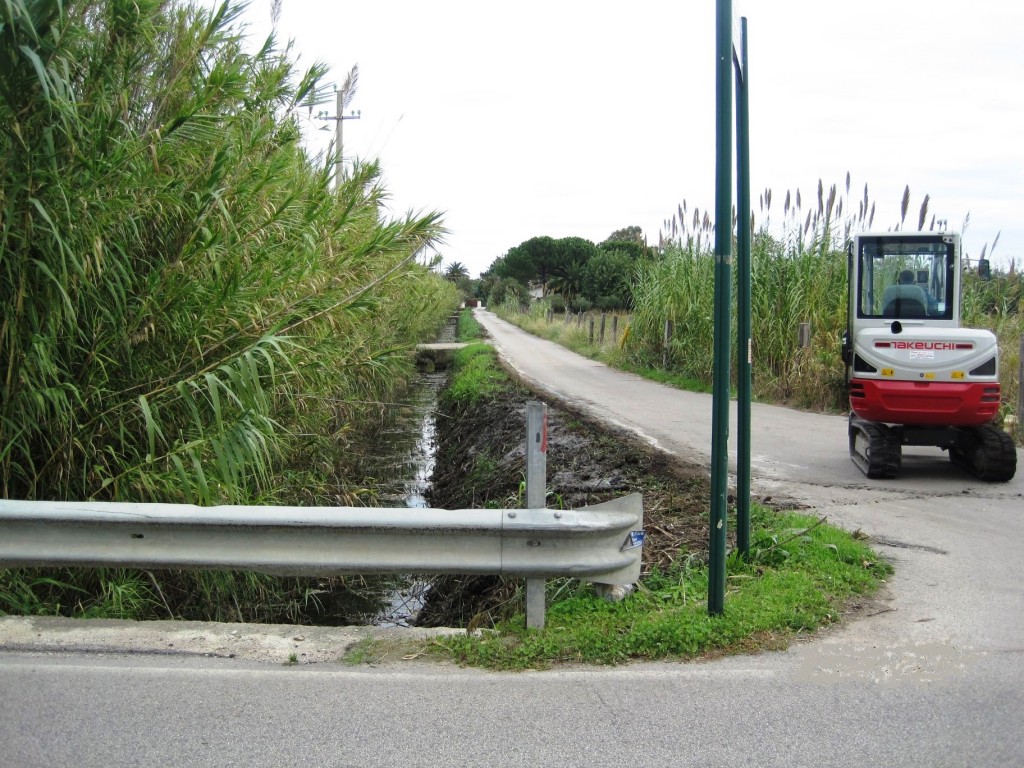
(904, 301)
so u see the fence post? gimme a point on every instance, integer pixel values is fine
(591, 324)
(615, 329)
(664, 344)
(804, 335)
(603, 317)
(536, 491)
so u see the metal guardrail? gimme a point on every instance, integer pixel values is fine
(600, 543)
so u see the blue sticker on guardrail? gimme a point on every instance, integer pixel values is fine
(634, 540)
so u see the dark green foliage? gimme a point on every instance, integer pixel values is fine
(455, 272)
(569, 283)
(533, 260)
(636, 250)
(556, 264)
(505, 289)
(573, 250)
(608, 279)
(633, 234)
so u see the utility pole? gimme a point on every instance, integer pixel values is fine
(344, 97)
(340, 120)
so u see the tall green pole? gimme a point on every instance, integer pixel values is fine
(743, 299)
(723, 300)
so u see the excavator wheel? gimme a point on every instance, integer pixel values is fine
(874, 448)
(986, 452)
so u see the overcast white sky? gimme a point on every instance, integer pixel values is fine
(562, 117)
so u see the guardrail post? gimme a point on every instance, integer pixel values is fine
(536, 491)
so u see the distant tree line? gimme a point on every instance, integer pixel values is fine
(574, 273)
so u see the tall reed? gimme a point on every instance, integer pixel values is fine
(798, 275)
(181, 294)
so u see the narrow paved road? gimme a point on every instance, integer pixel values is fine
(795, 451)
(934, 676)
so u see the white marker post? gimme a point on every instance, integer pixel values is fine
(536, 492)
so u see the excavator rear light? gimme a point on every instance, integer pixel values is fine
(991, 394)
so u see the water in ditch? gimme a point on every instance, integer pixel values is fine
(413, 471)
(397, 463)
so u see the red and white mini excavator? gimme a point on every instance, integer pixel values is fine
(915, 376)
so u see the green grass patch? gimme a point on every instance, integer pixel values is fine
(468, 328)
(476, 376)
(800, 575)
(669, 378)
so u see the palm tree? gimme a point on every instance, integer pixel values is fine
(456, 271)
(569, 284)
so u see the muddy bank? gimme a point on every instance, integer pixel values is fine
(480, 462)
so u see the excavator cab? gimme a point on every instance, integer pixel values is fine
(900, 280)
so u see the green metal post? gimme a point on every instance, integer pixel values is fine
(744, 349)
(723, 300)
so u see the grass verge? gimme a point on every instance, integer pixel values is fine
(468, 328)
(476, 375)
(801, 575)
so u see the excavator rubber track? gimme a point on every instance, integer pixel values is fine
(986, 452)
(874, 448)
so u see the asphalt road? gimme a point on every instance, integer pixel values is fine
(933, 675)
